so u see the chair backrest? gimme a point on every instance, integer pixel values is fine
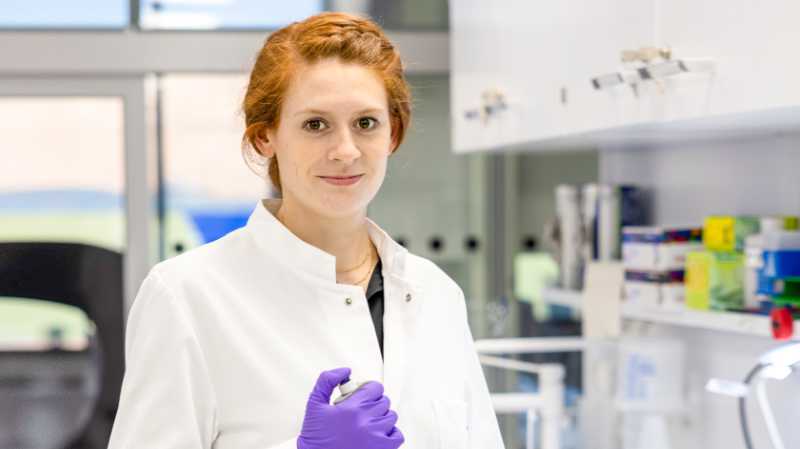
(91, 279)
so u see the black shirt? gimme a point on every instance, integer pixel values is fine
(374, 296)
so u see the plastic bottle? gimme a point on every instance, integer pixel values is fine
(754, 260)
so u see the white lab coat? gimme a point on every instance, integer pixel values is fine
(225, 342)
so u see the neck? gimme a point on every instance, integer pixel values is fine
(346, 238)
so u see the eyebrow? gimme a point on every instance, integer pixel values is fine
(321, 112)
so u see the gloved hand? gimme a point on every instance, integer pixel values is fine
(362, 421)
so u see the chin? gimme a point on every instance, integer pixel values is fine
(342, 207)
(337, 204)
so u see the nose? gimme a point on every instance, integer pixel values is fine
(344, 149)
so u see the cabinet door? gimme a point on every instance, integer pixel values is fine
(516, 47)
(598, 32)
(542, 57)
(753, 47)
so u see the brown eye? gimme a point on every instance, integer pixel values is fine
(367, 123)
(315, 125)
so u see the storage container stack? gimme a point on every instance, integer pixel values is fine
(654, 259)
(778, 279)
(737, 269)
(715, 275)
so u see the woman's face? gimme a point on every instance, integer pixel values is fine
(334, 124)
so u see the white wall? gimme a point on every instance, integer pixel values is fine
(690, 181)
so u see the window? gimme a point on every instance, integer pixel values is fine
(208, 188)
(261, 14)
(230, 14)
(62, 180)
(66, 182)
(21, 14)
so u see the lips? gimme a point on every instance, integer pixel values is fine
(341, 180)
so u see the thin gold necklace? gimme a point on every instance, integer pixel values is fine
(360, 264)
(369, 272)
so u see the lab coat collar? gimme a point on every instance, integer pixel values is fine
(401, 309)
(272, 236)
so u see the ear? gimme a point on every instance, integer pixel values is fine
(393, 145)
(264, 145)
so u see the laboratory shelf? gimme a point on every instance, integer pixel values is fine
(740, 323)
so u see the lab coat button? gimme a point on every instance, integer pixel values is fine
(348, 301)
(408, 297)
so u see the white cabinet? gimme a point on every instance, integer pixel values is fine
(753, 47)
(507, 46)
(541, 57)
(598, 32)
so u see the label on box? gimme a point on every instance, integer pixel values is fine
(655, 276)
(714, 280)
(657, 257)
(673, 296)
(727, 233)
(643, 293)
(658, 234)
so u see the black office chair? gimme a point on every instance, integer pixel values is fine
(89, 278)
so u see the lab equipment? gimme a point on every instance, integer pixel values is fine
(364, 421)
(779, 280)
(607, 208)
(548, 404)
(589, 224)
(654, 258)
(771, 237)
(656, 248)
(609, 222)
(778, 240)
(569, 225)
(728, 233)
(589, 220)
(776, 364)
(773, 276)
(651, 374)
(786, 356)
(347, 389)
(650, 390)
(714, 280)
(668, 295)
(533, 272)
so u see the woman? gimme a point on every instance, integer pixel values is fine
(225, 342)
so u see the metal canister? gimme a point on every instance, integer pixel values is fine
(568, 214)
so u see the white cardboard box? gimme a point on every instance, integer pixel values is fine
(640, 256)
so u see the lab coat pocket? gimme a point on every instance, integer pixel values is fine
(451, 419)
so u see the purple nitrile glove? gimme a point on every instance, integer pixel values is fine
(362, 421)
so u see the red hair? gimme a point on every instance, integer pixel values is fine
(349, 38)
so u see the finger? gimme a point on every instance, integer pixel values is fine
(396, 436)
(386, 423)
(368, 392)
(379, 408)
(327, 381)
